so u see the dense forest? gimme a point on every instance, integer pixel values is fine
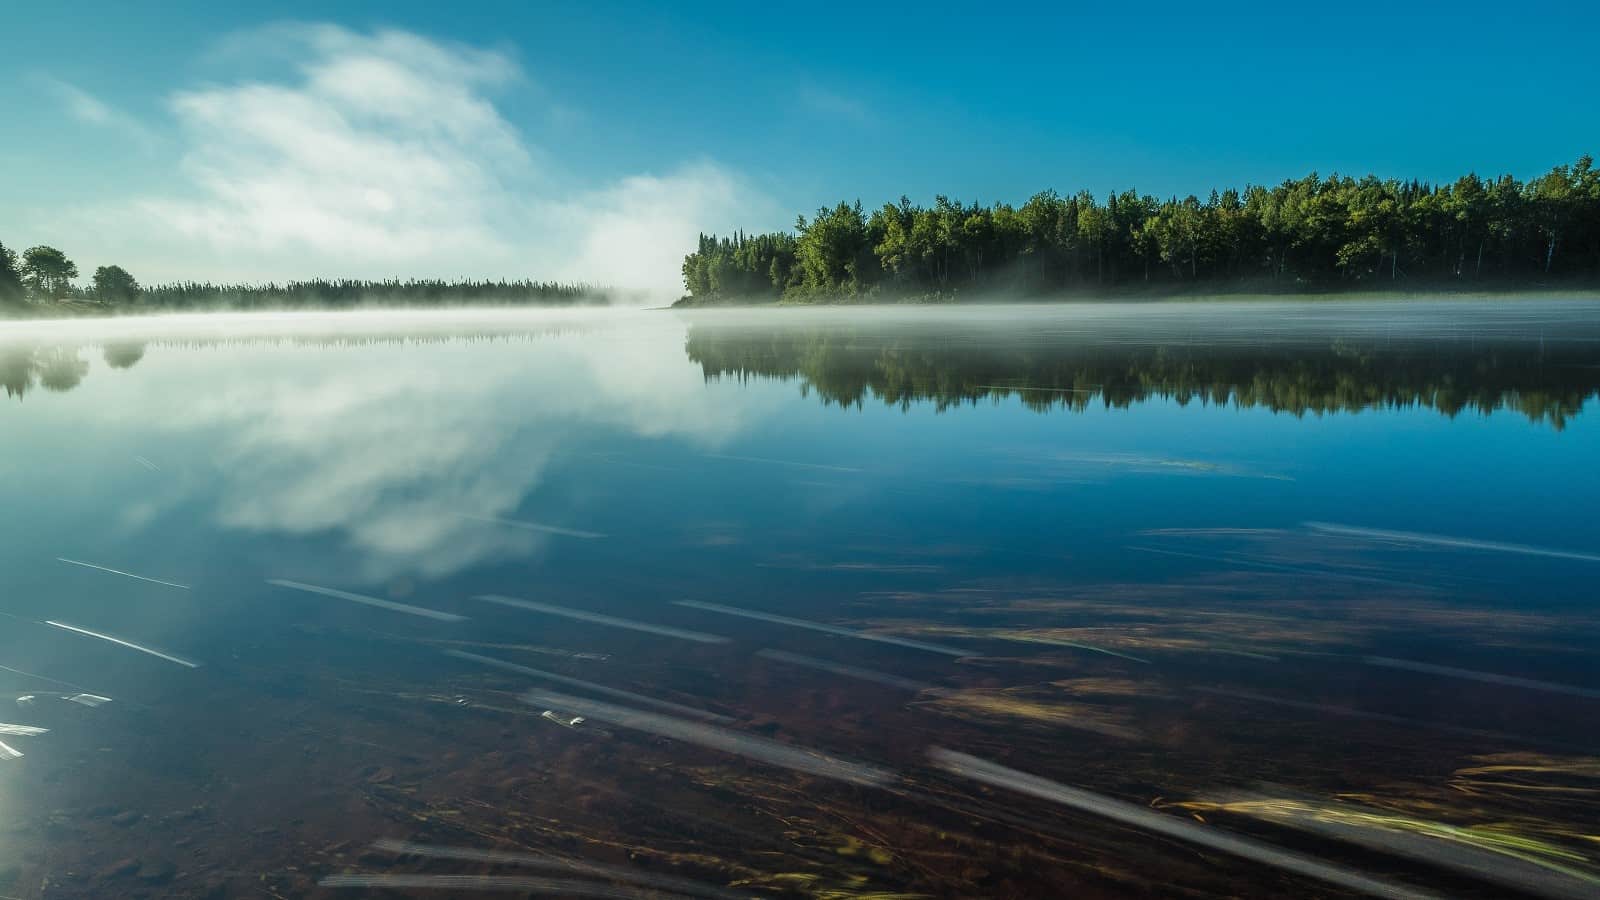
(1310, 234)
(963, 364)
(39, 281)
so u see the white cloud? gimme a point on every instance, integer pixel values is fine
(80, 103)
(383, 155)
(634, 231)
(88, 109)
(381, 151)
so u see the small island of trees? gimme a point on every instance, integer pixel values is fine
(1312, 234)
(39, 282)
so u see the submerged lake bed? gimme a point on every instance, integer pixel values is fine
(1227, 599)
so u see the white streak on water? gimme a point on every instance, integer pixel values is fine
(1349, 712)
(602, 619)
(825, 629)
(521, 884)
(9, 752)
(888, 568)
(1443, 845)
(147, 463)
(589, 686)
(876, 567)
(1166, 464)
(533, 526)
(1236, 560)
(1076, 645)
(1486, 677)
(1170, 826)
(739, 744)
(553, 863)
(369, 601)
(1439, 540)
(1212, 532)
(823, 665)
(43, 677)
(22, 730)
(74, 562)
(1248, 654)
(783, 462)
(122, 643)
(89, 700)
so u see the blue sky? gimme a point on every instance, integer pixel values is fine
(539, 135)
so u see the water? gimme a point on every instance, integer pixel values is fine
(1224, 599)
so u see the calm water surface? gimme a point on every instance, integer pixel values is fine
(1199, 600)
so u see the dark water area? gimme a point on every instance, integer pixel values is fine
(1151, 600)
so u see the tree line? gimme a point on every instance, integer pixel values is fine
(41, 280)
(1307, 234)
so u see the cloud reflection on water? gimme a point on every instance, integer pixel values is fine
(404, 452)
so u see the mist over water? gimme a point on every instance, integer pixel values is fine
(797, 601)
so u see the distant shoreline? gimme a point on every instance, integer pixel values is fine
(39, 283)
(81, 310)
(1509, 294)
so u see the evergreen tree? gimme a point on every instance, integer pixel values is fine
(13, 292)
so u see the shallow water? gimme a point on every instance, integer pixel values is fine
(1215, 599)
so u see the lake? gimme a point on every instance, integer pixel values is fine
(1206, 599)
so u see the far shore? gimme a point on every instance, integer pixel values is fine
(1129, 299)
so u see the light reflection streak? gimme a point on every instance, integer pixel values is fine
(122, 643)
(760, 749)
(553, 863)
(74, 562)
(1440, 540)
(1524, 864)
(825, 629)
(368, 601)
(595, 618)
(589, 686)
(1146, 819)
